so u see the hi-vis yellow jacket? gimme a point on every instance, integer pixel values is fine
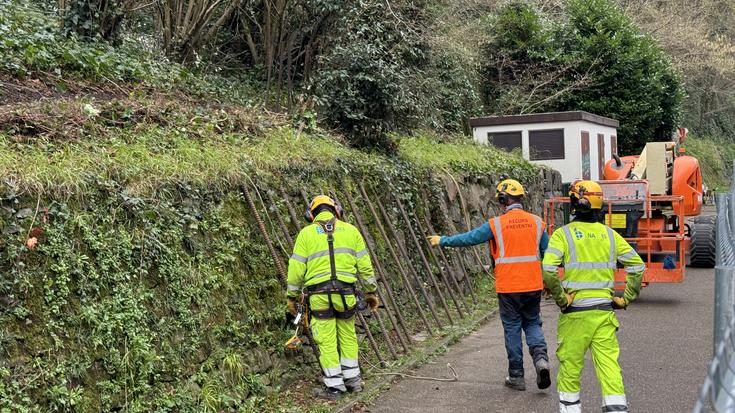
(309, 264)
(590, 252)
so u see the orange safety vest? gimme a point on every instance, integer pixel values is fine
(514, 247)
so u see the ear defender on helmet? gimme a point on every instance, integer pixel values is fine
(338, 210)
(308, 216)
(509, 188)
(578, 203)
(585, 196)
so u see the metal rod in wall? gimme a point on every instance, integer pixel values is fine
(401, 271)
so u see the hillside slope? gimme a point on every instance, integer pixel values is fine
(153, 286)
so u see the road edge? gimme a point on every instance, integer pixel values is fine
(417, 360)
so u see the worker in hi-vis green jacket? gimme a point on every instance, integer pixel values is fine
(329, 255)
(589, 252)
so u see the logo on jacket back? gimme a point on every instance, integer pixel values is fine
(319, 229)
(578, 234)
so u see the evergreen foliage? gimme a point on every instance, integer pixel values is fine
(33, 44)
(94, 18)
(364, 87)
(594, 59)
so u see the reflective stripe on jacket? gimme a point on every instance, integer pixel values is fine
(309, 263)
(515, 249)
(590, 252)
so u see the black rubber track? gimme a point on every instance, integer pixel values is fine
(702, 250)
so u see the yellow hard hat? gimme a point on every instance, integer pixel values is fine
(321, 200)
(317, 202)
(588, 193)
(510, 187)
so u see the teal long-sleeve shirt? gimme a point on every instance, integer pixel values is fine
(483, 234)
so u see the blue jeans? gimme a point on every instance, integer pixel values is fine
(522, 311)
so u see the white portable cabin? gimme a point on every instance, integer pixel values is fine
(577, 144)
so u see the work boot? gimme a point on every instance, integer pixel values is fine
(328, 393)
(355, 389)
(516, 383)
(543, 377)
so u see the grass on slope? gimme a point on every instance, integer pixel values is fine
(716, 158)
(145, 144)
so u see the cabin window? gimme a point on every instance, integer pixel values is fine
(505, 140)
(546, 144)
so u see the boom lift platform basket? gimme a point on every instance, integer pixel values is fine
(652, 224)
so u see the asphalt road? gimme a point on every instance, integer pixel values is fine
(665, 340)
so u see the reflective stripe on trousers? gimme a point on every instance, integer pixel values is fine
(350, 370)
(337, 341)
(578, 334)
(614, 403)
(333, 378)
(569, 402)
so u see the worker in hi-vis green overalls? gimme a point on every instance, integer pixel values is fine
(589, 252)
(327, 274)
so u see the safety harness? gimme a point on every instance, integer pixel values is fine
(603, 307)
(333, 285)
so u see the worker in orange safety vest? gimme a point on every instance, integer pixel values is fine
(517, 241)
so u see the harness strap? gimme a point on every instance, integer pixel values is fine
(333, 285)
(603, 307)
(328, 227)
(332, 313)
(327, 287)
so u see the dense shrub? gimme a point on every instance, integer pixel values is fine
(95, 18)
(594, 59)
(363, 86)
(449, 88)
(31, 41)
(382, 75)
(715, 155)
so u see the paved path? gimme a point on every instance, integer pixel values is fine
(665, 339)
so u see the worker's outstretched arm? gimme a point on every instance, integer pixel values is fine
(633, 265)
(476, 236)
(297, 266)
(553, 258)
(364, 265)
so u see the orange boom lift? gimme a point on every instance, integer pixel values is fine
(648, 198)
